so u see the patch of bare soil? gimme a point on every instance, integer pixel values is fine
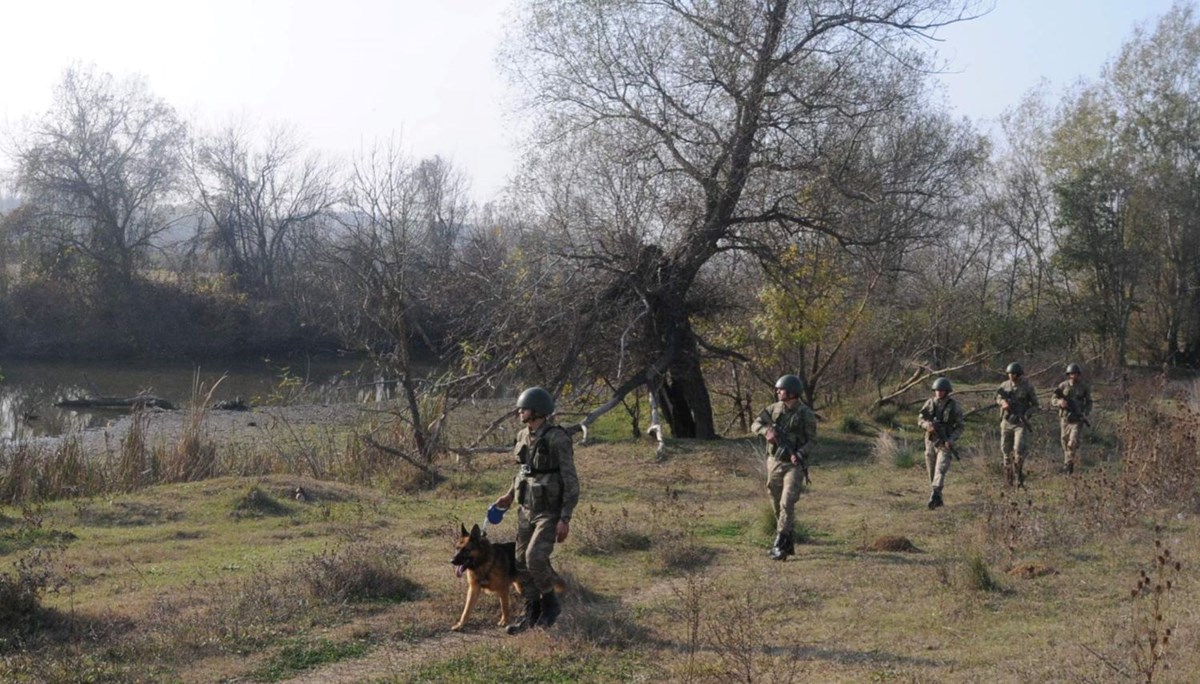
(894, 544)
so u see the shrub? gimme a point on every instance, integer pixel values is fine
(885, 415)
(851, 425)
(888, 448)
(737, 631)
(904, 459)
(802, 533)
(977, 576)
(21, 592)
(766, 520)
(607, 624)
(359, 573)
(1160, 461)
(606, 533)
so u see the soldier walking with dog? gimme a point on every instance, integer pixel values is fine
(942, 419)
(547, 490)
(789, 428)
(1074, 400)
(1017, 400)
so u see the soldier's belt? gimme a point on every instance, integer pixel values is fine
(526, 471)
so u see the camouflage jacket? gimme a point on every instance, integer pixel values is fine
(947, 412)
(1080, 394)
(799, 424)
(1020, 393)
(547, 481)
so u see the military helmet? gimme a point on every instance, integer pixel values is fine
(1015, 369)
(1074, 368)
(943, 384)
(537, 400)
(791, 383)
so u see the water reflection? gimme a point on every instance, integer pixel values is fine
(24, 414)
(29, 390)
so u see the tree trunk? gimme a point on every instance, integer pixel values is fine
(685, 400)
(682, 393)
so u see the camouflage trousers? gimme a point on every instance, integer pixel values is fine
(1014, 444)
(1070, 441)
(937, 464)
(536, 533)
(784, 482)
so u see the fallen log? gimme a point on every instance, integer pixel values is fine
(235, 404)
(141, 401)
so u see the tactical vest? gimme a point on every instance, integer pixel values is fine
(539, 488)
(792, 423)
(940, 415)
(536, 458)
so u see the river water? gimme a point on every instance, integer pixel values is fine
(29, 390)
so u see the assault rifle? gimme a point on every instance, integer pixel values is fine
(1016, 408)
(786, 448)
(941, 433)
(1074, 414)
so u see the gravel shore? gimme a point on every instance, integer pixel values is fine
(259, 426)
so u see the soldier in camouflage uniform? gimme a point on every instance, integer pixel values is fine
(942, 419)
(1017, 400)
(547, 490)
(1073, 397)
(789, 428)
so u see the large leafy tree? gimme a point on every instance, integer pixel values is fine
(1125, 163)
(730, 126)
(1156, 85)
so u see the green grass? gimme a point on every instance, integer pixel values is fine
(22, 537)
(728, 530)
(904, 459)
(203, 581)
(298, 657)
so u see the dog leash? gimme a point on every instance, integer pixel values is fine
(494, 515)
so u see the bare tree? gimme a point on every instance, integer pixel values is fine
(258, 201)
(384, 274)
(735, 117)
(101, 167)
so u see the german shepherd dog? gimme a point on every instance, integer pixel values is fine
(490, 567)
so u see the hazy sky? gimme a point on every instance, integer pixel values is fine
(350, 72)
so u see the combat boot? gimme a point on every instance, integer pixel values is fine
(1008, 475)
(533, 612)
(789, 544)
(1021, 476)
(776, 552)
(551, 609)
(784, 547)
(1068, 468)
(935, 499)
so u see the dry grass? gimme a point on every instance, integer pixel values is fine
(892, 544)
(667, 572)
